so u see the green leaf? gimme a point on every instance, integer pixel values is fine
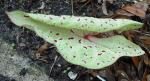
(66, 33)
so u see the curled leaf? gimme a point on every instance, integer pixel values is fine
(66, 33)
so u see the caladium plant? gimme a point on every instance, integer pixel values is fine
(73, 38)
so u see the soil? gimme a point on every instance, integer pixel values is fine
(28, 43)
(3, 78)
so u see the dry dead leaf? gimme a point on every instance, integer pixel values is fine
(136, 61)
(137, 9)
(123, 12)
(148, 77)
(110, 1)
(41, 50)
(144, 75)
(145, 40)
(104, 7)
(146, 59)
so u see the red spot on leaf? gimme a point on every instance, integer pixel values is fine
(80, 41)
(84, 61)
(55, 40)
(70, 38)
(92, 21)
(70, 46)
(89, 46)
(60, 38)
(26, 16)
(57, 33)
(85, 47)
(72, 31)
(50, 31)
(99, 53)
(103, 51)
(129, 47)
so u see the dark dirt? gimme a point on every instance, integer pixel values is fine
(3, 78)
(28, 43)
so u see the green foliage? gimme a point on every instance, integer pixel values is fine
(67, 34)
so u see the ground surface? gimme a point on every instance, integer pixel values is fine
(19, 67)
(26, 43)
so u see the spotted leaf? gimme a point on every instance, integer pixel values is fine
(66, 33)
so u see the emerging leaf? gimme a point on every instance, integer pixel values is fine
(66, 33)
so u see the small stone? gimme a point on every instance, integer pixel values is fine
(59, 65)
(72, 75)
(42, 6)
(22, 44)
(148, 77)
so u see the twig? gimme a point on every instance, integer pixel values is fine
(72, 7)
(104, 7)
(146, 34)
(96, 75)
(86, 3)
(99, 77)
(56, 57)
